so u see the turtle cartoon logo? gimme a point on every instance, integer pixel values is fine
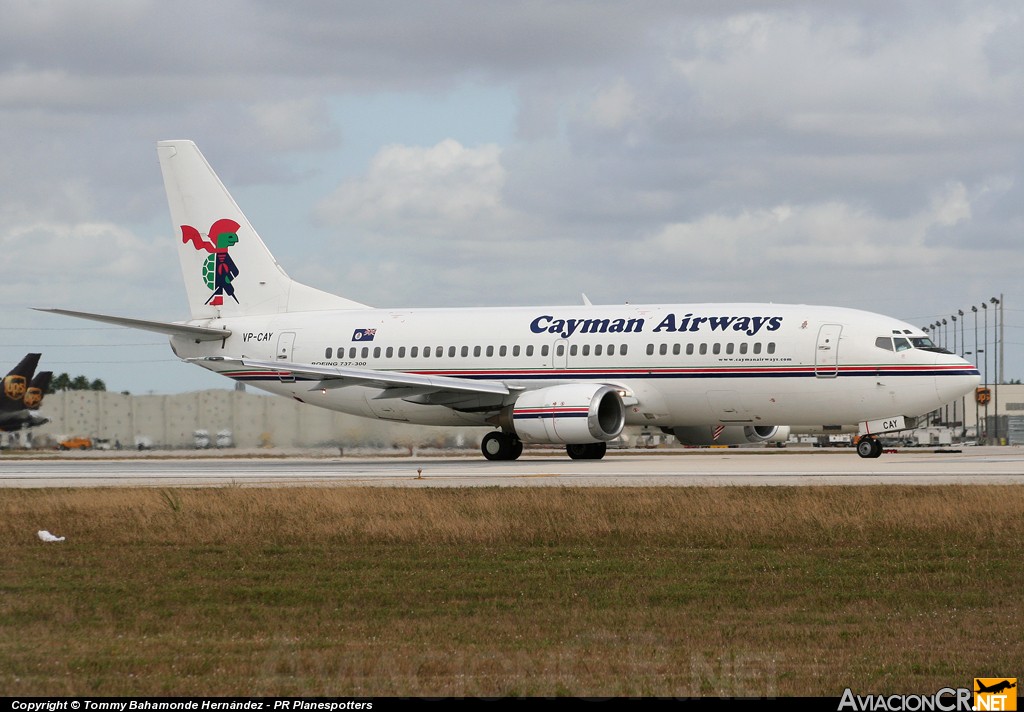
(219, 269)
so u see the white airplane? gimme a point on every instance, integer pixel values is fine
(570, 375)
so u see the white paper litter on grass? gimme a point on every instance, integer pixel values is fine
(47, 536)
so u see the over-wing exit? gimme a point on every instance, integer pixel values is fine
(570, 375)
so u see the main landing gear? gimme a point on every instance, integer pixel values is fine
(868, 446)
(501, 446)
(589, 451)
(506, 446)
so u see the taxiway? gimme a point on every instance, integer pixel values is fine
(698, 468)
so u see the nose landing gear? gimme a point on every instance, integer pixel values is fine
(868, 446)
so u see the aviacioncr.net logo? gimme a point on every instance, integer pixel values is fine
(947, 699)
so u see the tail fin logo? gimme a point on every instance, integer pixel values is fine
(219, 270)
(33, 397)
(15, 386)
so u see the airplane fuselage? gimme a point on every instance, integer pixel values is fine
(675, 365)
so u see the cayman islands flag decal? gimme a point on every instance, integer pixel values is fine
(364, 334)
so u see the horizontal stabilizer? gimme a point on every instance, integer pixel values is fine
(335, 377)
(199, 333)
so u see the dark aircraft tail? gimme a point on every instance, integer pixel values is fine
(16, 384)
(37, 389)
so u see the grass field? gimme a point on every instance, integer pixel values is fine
(496, 592)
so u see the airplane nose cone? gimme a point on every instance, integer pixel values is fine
(957, 379)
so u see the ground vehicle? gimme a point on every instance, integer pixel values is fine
(75, 443)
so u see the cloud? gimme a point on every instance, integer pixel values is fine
(102, 256)
(445, 192)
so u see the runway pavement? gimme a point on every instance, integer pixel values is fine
(680, 468)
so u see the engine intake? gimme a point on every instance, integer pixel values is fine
(574, 413)
(704, 435)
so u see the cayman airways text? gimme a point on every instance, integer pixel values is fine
(671, 323)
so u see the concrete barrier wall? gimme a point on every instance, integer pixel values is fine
(254, 421)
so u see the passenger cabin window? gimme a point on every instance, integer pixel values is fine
(529, 350)
(327, 354)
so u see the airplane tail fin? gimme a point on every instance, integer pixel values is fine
(37, 389)
(228, 270)
(16, 383)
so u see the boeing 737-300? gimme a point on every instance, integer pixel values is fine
(569, 375)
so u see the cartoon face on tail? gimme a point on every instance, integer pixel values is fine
(219, 270)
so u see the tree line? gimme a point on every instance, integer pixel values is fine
(64, 382)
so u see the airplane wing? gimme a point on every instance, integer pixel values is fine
(397, 384)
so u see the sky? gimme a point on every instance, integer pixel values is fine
(474, 153)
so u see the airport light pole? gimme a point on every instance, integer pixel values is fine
(977, 423)
(963, 347)
(996, 366)
(953, 317)
(945, 341)
(984, 311)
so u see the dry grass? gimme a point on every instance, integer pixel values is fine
(596, 592)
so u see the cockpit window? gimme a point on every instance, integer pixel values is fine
(901, 343)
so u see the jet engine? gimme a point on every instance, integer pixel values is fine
(704, 435)
(573, 413)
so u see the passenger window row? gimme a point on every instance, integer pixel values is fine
(716, 348)
(530, 350)
(438, 351)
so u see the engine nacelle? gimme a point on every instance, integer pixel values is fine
(574, 413)
(704, 435)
